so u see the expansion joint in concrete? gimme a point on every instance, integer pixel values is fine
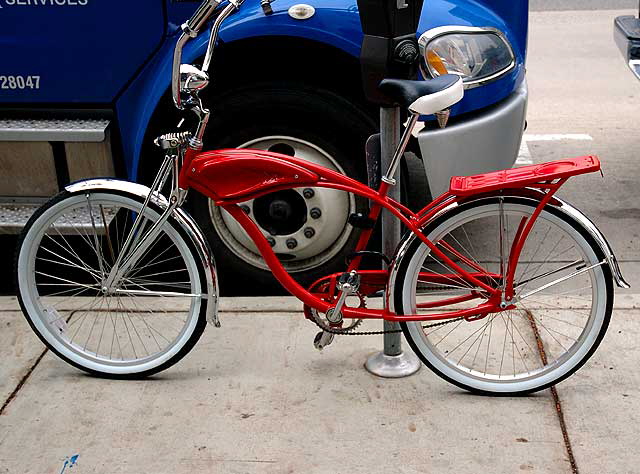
(554, 395)
(21, 383)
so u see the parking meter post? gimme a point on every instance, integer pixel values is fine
(389, 138)
(389, 50)
(391, 362)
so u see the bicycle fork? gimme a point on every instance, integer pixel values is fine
(138, 240)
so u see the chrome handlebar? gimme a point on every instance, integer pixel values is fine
(190, 30)
(175, 75)
(215, 30)
(200, 17)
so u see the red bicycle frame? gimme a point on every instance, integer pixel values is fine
(230, 177)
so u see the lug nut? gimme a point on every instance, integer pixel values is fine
(309, 232)
(271, 241)
(308, 193)
(291, 244)
(315, 213)
(246, 209)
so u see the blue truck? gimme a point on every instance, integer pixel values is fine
(84, 87)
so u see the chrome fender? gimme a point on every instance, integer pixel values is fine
(182, 218)
(594, 232)
(556, 202)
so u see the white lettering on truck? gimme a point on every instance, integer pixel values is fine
(36, 3)
(19, 82)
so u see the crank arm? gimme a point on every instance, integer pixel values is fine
(347, 288)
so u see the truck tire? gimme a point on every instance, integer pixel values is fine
(314, 238)
(414, 184)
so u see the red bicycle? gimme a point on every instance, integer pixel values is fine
(499, 286)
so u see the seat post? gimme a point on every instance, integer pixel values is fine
(389, 176)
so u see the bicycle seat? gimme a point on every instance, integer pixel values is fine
(424, 97)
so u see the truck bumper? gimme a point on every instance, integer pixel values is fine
(487, 142)
(626, 33)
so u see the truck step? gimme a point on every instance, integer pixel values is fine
(13, 217)
(53, 130)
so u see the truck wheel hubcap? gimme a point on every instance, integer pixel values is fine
(280, 213)
(307, 226)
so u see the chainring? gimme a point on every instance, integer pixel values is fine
(323, 323)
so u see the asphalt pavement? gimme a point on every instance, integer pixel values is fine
(565, 5)
(254, 396)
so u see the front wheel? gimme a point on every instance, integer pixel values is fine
(548, 336)
(146, 322)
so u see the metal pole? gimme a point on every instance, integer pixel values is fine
(391, 362)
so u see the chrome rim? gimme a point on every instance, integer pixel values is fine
(134, 328)
(320, 229)
(547, 334)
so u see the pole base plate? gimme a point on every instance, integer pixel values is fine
(398, 366)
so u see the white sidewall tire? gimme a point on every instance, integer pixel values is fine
(598, 322)
(27, 294)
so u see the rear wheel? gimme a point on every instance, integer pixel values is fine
(147, 322)
(550, 333)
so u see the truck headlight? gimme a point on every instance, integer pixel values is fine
(479, 55)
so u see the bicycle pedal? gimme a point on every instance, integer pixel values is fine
(322, 340)
(352, 279)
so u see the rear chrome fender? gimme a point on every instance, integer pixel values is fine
(594, 232)
(182, 218)
(556, 202)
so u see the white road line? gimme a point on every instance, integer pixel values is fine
(524, 154)
(556, 136)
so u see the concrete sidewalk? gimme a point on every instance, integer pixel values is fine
(254, 396)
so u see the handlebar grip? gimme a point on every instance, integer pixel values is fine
(200, 17)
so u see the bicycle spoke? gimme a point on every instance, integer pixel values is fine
(101, 263)
(64, 280)
(71, 252)
(67, 262)
(480, 335)
(560, 280)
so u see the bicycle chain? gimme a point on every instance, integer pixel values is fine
(343, 332)
(317, 319)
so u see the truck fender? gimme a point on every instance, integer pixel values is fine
(182, 218)
(139, 101)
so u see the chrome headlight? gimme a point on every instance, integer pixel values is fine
(478, 55)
